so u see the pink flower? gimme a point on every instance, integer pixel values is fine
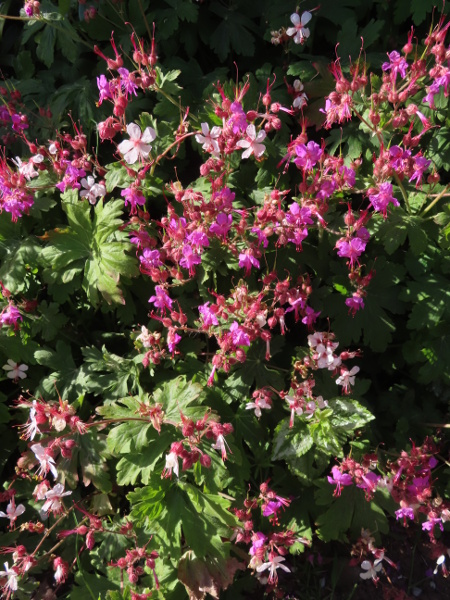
(253, 142)
(14, 370)
(11, 576)
(347, 378)
(12, 511)
(171, 465)
(208, 315)
(209, 138)
(190, 259)
(46, 460)
(299, 31)
(273, 564)
(92, 190)
(138, 146)
(53, 499)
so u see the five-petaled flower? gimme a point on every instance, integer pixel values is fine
(53, 500)
(12, 511)
(253, 142)
(299, 31)
(14, 370)
(138, 146)
(273, 564)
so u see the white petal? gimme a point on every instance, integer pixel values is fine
(134, 131)
(149, 135)
(306, 18)
(295, 20)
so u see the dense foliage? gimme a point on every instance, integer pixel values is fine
(224, 317)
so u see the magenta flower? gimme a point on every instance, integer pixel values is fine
(310, 318)
(405, 513)
(10, 315)
(247, 261)
(258, 541)
(354, 304)
(351, 249)
(307, 156)
(397, 65)
(222, 224)
(421, 164)
(208, 315)
(381, 201)
(161, 300)
(190, 259)
(339, 479)
(134, 198)
(104, 88)
(128, 84)
(150, 259)
(238, 335)
(238, 119)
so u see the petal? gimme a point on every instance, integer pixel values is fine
(134, 131)
(125, 146)
(306, 18)
(132, 156)
(149, 135)
(295, 19)
(251, 131)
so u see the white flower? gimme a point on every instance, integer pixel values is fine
(171, 465)
(371, 569)
(53, 499)
(209, 138)
(47, 462)
(92, 190)
(253, 142)
(13, 511)
(137, 147)
(257, 406)
(299, 31)
(14, 370)
(11, 574)
(273, 565)
(347, 378)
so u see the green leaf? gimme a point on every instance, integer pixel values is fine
(178, 395)
(348, 414)
(50, 320)
(46, 45)
(93, 466)
(20, 257)
(97, 245)
(290, 443)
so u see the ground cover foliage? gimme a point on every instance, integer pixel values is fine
(224, 312)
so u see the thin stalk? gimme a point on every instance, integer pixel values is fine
(438, 197)
(403, 191)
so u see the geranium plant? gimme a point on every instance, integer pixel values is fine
(194, 301)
